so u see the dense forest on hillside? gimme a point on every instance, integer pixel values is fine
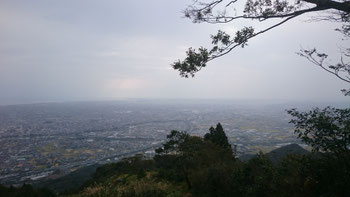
(208, 166)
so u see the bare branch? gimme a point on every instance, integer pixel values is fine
(340, 70)
(311, 56)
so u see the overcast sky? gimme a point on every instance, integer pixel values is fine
(108, 49)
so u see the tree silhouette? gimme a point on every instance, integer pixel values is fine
(224, 11)
(218, 137)
(326, 130)
(182, 155)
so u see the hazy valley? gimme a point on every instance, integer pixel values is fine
(51, 139)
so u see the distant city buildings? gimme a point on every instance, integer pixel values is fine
(40, 139)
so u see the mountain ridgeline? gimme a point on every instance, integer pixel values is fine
(188, 165)
(278, 154)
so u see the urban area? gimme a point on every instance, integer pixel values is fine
(50, 139)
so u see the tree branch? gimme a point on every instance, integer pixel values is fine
(309, 55)
(265, 10)
(254, 35)
(329, 4)
(227, 19)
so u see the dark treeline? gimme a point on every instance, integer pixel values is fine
(25, 191)
(206, 166)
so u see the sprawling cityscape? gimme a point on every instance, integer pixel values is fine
(51, 139)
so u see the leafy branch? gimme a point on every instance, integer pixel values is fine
(220, 11)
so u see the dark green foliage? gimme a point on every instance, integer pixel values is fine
(175, 139)
(169, 158)
(210, 172)
(169, 167)
(292, 177)
(218, 180)
(324, 130)
(69, 183)
(141, 173)
(259, 176)
(193, 63)
(24, 191)
(148, 192)
(329, 174)
(222, 42)
(182, 155)
(293, 173)
(132, 165)
(218, 137)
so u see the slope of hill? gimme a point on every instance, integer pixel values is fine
(204, 169)
(74, 180)
(71, 181)
(278, 154)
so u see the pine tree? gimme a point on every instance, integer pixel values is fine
(217, 136)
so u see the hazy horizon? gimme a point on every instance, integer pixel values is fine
(251, 103)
